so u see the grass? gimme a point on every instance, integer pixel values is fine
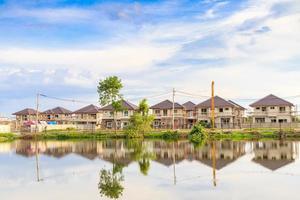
(7, 137)
(161, 134)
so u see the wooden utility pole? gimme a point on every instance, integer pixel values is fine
(174, 167)
(173, 109)
(213, 104)
(213, 154)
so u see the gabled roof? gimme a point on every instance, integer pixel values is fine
(57, 110)
(26, 111)
(236, 105)
(219, 102)
(189, 105)
(271, 100)
(273, 164)
(166, 104)
(125, 104)
(90, 109)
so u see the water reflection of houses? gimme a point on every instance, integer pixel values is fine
(166, 153)
(226, 152)
(274, 154)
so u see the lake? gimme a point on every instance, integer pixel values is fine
(149, 169)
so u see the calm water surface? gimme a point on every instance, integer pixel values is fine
(149, 170)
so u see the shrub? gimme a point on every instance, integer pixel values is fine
(197, 134)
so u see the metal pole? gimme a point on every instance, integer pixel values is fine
(173, 108)
(213, 104)
(37, 113)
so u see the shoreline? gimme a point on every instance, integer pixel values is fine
(255, 134)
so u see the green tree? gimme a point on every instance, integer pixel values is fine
(109, 93)
(140, 122)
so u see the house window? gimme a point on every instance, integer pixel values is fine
(157, 112)
(48, 117)
(272, 107)
(111, 113)
(175, 111)
(220, 109)
(56, 116)
(282, 120)
(108, 124)
(257, 108)
(125, 124)
(156, 123)
(94, 116)
(226, 108)
(260, 120)
(273, 120)
(125, 113)
(282, 109)
(263, 108)
(165, 112)
(203, 110)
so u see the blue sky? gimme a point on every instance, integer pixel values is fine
(62, 48)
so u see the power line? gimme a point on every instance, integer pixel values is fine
(67, 100)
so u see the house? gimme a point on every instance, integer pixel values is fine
(58, 115)
(26, 116)
(190, 114)
(228, 114)
(163, 115)
(88, 115)
(121, 117)
(272, 109)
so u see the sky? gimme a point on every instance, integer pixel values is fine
(62, 48)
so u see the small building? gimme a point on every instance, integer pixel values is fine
(25, 117)
(121, 117)
(228, 114)
(190, 114)
(163, 113)
(88, 115)
(272, 109)
(58, 115)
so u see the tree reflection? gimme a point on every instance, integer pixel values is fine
(141, 154)
(110, 183)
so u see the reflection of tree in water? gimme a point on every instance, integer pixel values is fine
(110, 182)
(141, 154)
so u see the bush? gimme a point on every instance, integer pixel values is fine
(197, 134)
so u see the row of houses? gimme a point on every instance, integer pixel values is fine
(270, 109)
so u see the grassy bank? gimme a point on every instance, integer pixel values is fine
(7, 137)
(165, 135)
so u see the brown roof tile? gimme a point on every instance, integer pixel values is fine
(26, 111)
(127, 105)
(271, 100)
(189, 105)
(167, 104)
(90, 109)
(219, 102)
(57, 110)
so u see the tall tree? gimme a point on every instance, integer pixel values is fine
(109, 93)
